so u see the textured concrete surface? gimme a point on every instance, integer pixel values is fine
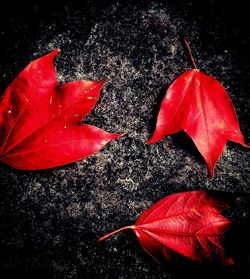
(50, 220)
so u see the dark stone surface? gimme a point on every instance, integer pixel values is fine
(50, 220)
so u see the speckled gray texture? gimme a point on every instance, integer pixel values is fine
(50, 219)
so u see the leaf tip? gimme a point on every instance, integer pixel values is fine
(151, 140)
(104, 80)
(246, 145)
(116, 136)
(54, 53)
(210, 167)
(211, 173)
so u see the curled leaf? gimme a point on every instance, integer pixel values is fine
(187, 224)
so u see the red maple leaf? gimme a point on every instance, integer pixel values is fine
(187, 224)
(199, 105)
(40, 119)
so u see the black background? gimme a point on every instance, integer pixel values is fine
(50, 220)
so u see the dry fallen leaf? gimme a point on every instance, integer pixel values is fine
(187, 224)
(199, 105)
(40, 120)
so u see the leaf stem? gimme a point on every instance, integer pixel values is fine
(190, 52)
(116, 231)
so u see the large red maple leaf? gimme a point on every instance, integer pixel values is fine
(40, 120)
(199, 105)
(187, 224)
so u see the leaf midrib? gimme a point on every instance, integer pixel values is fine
(204, 116)
(51, 119)
(184, 95)
(153, 231)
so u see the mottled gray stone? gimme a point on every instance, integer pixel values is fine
(50, 219)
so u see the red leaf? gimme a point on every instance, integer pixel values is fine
(40, 119)
(199, 105)
(187, 224)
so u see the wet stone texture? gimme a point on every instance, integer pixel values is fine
(50, 219)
